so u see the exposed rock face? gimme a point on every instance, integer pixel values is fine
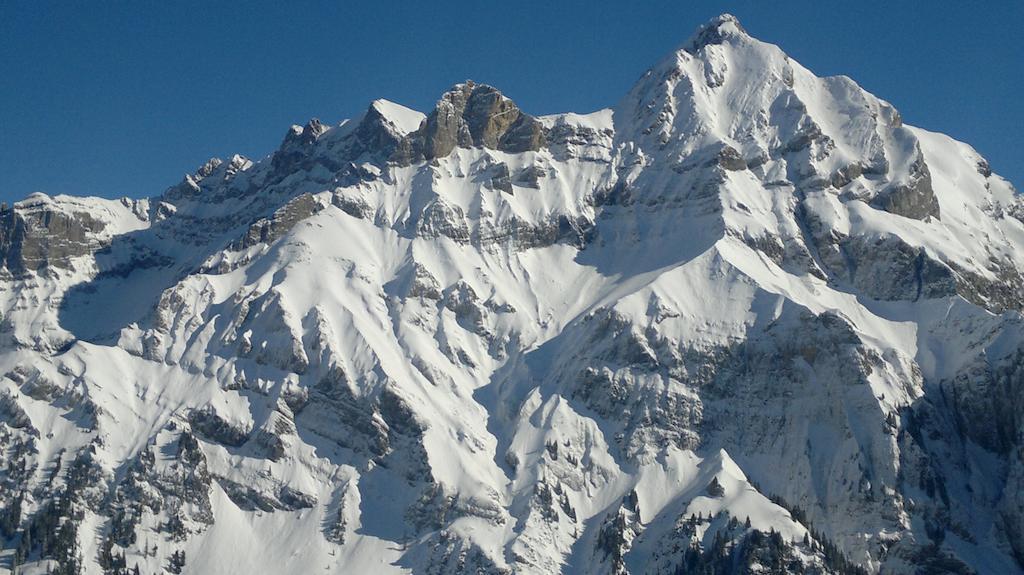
(377, 135)
(722, 327)
(902, 273)
(914, 199)
(489, 115)
(35, 235)
(215, 428)
(268, 230)
(297, 144)
(714, 32)
(476, 115)
(730, 159)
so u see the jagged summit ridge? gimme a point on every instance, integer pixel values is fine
(745, 319)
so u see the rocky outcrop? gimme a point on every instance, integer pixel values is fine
(377, 136)
(476, 115)
(38, 233)
(213, 427)
(11, 412)
(267, 230)
(913, 199)
(297, 144)
(249, 498)
(714, 32)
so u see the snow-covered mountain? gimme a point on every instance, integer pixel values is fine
(745, 321)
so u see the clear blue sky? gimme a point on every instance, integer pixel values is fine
(118, 98)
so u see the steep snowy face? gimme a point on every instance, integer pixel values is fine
(831, 171)
(745, 320)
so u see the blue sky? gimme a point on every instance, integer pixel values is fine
(122, 98)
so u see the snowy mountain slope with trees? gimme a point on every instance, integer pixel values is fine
(745, 321)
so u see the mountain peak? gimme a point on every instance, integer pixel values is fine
(716, 31)
(405, 119)
(299, 136)
(471, 115)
